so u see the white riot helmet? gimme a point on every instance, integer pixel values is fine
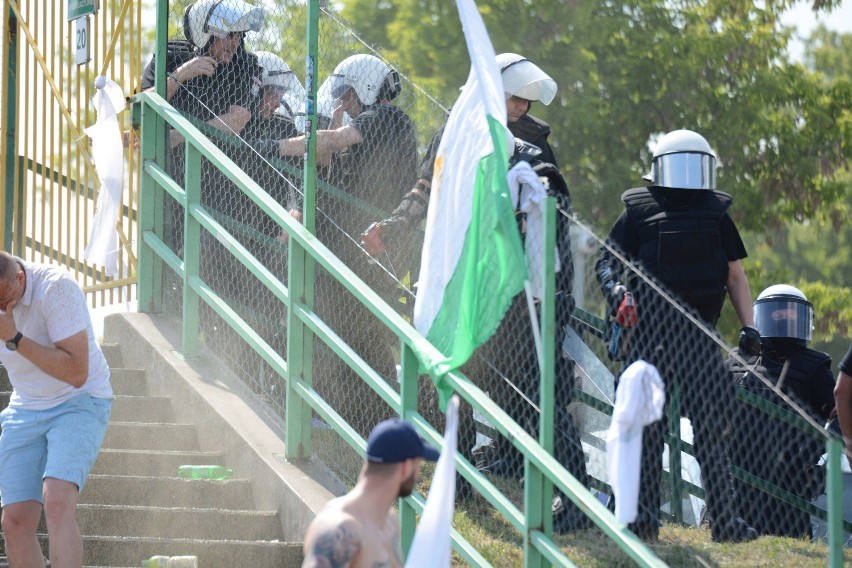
(276, 72)
(684, 160)
(207, 18)
(370, 78)
(523, 78)
(782, 311)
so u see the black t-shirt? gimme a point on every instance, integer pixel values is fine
(845, 364)
(206, 97)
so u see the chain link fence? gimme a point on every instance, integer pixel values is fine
(236, 70)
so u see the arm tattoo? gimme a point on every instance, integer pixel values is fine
(336, 548)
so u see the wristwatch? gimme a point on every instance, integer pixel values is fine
(12, 344)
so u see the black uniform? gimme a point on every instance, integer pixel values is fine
(774, 450)
(684, 240)
(506, 366)
(203, 98)
(363, 183)
(845, 364)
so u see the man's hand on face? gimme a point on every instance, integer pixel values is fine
(8, 328)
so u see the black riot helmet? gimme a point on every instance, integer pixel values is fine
(782, 314)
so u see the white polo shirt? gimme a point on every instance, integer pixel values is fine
(52, 308)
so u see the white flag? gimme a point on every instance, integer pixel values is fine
(108, 155)
(431, 546)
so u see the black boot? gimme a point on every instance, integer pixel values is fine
(645, 531)
(726, 525)
(567, 517)
(734, 529)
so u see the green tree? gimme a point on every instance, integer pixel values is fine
(631, 70)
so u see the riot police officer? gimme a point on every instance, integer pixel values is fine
(679, 238)
(209, 78)
(506, 366)
(767, 446)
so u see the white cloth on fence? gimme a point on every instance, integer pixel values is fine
(528, 195)
(431, 546)
(108, 155)
(639, 401)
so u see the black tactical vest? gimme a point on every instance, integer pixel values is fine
(787, 455)
(681, 244)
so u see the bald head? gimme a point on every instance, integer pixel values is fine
(9, 266)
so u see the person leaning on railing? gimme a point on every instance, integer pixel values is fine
(843, 399)
(209, 76)
(367, 163)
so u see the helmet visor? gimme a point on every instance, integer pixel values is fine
(524, 79)
(285, 79)
(234, 16)
(337, 86)
(784, 317)
(685, 170)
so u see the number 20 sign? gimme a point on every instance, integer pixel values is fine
(81, 39)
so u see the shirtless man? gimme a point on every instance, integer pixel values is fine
(361, 529)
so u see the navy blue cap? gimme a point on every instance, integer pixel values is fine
(395, 440)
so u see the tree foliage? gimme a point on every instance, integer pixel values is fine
(631, 70)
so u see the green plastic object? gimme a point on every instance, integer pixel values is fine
(204, 472)
(156, 562)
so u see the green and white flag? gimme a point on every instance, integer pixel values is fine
(473, 262)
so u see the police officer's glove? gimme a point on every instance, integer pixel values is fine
(266, 147)
(749, 341)
(373, 239)
(626, 315)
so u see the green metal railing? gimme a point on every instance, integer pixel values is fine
(837, 524)
(153, 114)
(542, 471)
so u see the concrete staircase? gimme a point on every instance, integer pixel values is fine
(134, 506)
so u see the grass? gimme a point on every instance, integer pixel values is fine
(498, 541)
(502, 545)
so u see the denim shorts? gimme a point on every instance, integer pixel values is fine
(62, 442)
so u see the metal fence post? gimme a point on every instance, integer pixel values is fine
(834, 492)
(10, 146)
(675, 447)
(301, 265)
(191, 250)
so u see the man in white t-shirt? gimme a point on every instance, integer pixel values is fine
(58, 414)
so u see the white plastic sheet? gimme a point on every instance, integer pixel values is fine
(108, 155)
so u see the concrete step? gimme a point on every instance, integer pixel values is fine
(112, 352)
(152, 409)
(153, 436)
(104, 551)
(150, 462)
(147, 491)
(176, 522)
(129, 382)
